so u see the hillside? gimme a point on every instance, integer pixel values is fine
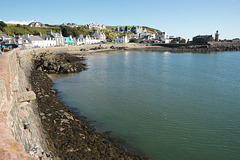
(110, 31)
(12, 29)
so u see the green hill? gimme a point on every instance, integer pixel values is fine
(110, 31)
(12, 29)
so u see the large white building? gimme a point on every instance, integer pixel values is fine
(99, 35)
(121, 39)
(87, 39)
(163, 37)
(39, 42)
(58, 37)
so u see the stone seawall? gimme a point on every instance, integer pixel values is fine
(19, 111)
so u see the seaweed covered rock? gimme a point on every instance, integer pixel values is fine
(69, 135)
(59, 63)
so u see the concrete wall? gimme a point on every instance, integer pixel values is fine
(17, 103)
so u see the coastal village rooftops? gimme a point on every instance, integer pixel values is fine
(48, 37)
(4, 37)
(33, 38)
(36, 38)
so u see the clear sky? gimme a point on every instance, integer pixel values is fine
(185, 18)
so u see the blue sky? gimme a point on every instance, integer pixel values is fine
(185, 18)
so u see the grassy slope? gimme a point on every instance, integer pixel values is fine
(24, 29)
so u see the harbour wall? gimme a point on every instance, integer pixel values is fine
(19, 110)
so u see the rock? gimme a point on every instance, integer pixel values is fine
(68, 116)
(65, 121)
(26, 96)
(62, 129)
(49, 114)
(43, 117)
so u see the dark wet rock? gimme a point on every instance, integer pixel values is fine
(59, 63)
(193, 48)
(97, 48)
(119, 48)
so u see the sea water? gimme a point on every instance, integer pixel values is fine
(168, 106)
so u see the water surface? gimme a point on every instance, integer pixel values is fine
(168, 106)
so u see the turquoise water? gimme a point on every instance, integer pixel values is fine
(168, 106)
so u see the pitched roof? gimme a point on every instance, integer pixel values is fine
(36, 38)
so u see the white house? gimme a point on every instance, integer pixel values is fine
(121, 39)
(57, 36)
(39, 42)
(51, 41)
(99, 35)
(87, 39)
(144, 33)
(163, 37)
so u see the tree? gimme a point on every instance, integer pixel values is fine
(133, 41)
(67, 31)
(2, 25)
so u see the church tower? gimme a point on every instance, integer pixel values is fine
(216, 36)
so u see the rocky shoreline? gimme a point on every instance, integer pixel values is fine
(70, 136)
(175, 48)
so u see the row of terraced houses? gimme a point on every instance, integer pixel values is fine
(57, 39)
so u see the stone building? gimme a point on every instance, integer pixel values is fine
(202, 39)
(217, 36)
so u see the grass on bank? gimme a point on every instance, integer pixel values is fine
(110, 31)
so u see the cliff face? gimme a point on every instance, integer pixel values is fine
(18, 108)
